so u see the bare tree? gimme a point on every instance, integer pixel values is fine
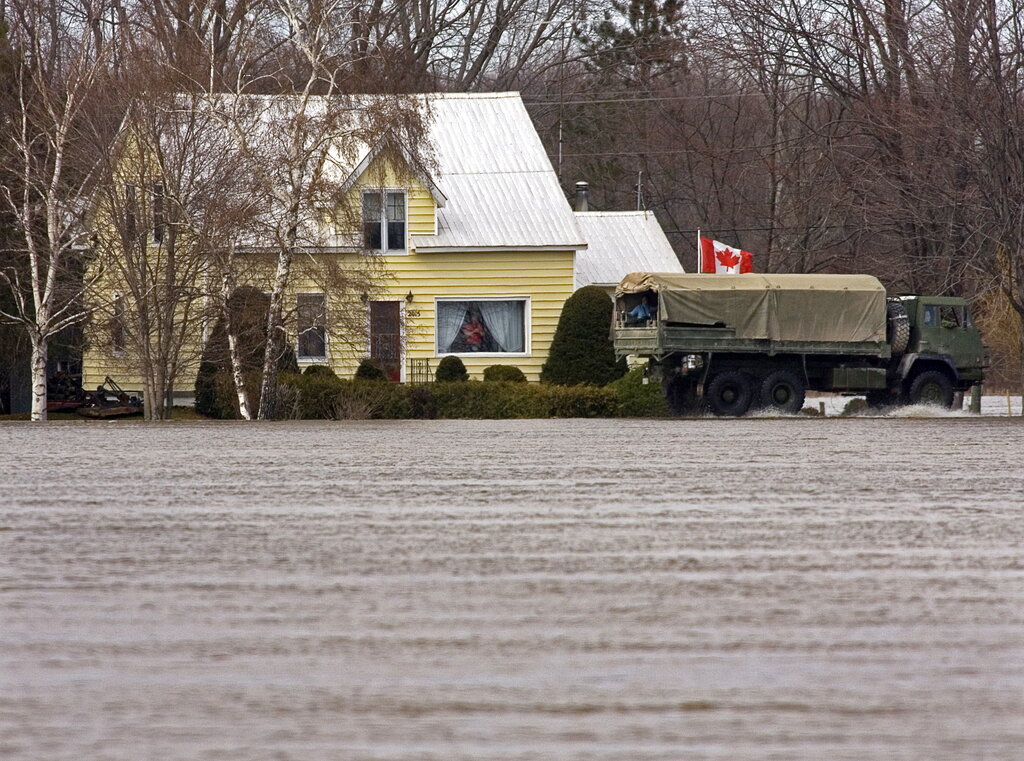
(54, 179)
(298, 145)
(174, 194)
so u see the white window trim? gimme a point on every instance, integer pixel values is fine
(304, 358)
(527, 327)
(384, 219)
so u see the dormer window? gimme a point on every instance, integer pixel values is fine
(384, 220)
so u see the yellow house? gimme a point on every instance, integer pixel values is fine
(478, 253)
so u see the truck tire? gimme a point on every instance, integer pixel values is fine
(680, 395)
(783, 391)
(730, 393)
(897, 327)
(931, 387)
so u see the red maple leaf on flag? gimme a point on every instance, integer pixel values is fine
(727, 258)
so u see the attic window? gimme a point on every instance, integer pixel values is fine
(384, 220)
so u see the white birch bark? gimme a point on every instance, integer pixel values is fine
(39, 356)
(237, 376)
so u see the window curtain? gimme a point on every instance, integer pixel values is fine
(505, 321)
(450, 316)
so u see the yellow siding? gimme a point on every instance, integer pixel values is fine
(543, 277)
(420, 207)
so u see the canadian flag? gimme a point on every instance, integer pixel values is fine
(721, 259)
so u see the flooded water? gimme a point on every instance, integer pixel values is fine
(585, 589)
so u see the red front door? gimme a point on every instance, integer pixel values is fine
(386, 337)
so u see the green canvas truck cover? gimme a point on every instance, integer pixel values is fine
(775, 307)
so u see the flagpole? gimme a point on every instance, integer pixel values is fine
(698, 251)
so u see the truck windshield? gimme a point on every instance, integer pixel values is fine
(948, 317)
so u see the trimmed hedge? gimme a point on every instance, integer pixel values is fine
(326, 397)
(319, 394)
(451, 369)
(320, 397)
(504, 373)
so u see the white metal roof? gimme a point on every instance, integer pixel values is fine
(620, 242)
(488, 170)
(492, 167)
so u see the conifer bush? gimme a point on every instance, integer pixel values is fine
(639, 399)
(369, 370)
(322, 370)
(214, 391)
(215, 394)
(581, 351)
(451, 369)
(504, 373)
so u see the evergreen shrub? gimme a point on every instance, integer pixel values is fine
(324, 370)
(451, 369)
(214, 390)
(322, 396)
(637, 399)
(504, 373)
(582, 351)
(422, 404)
(328, 397)
(369, 370)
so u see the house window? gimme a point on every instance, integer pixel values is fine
(485, 326)
(312, 328)
(158, 212)
(384, 220)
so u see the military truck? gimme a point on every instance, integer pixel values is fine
(732, 343)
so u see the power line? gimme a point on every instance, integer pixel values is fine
(645, 99)
(694, 231)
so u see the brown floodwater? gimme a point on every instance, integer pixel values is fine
(807, 590)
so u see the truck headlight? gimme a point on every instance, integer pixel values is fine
(692, 362)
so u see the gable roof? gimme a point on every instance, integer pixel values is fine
(491, 169)
(620, 242)
(421, 174)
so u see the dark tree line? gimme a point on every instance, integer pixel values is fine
(880, 136)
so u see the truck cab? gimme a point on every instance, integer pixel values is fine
(943, 338)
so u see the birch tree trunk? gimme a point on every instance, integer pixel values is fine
(227, 288)
(244, 408)
(275, 334)
(39, 355)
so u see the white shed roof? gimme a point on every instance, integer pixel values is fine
(620, 242)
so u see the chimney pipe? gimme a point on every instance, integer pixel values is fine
(582, 203)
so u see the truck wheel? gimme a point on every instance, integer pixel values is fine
(783, 391)
(729, 394)
(931, 387)
(680, 395)
(897, 327)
